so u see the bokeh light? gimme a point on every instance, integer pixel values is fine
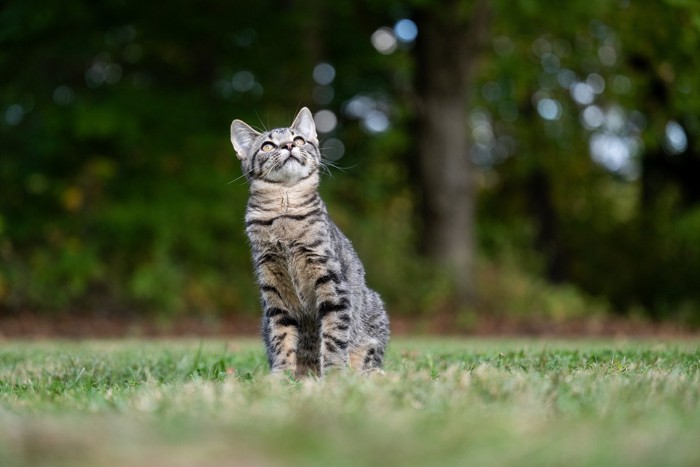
(405, 30)
(582, 93)
(14, 114)
(324, 74)
(63, 95)
(592, 117)
(384, 41)
(675, 138)
(375, 121)
(243, 81)
(549, 109)
(333, 149)
(325, 120)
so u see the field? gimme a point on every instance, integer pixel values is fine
(441, 402)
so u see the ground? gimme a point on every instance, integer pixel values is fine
(441, 401)
(91, 325)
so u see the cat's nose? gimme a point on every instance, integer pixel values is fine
(288, 146)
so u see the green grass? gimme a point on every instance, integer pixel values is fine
(440, 403)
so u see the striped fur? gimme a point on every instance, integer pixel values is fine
(318, 314)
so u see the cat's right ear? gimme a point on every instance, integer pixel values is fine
(242, 138)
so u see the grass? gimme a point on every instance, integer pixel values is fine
(440, 403)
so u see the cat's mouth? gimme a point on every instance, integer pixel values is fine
(291, 158)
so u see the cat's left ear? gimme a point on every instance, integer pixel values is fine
(242, 137)
(304, 124)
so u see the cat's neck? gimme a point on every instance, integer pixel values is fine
(287, 195)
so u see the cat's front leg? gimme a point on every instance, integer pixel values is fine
(280, 326)
(334, 316)
(280, 334)
(324, 291)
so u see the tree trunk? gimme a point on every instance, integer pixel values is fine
(547, 241)
(446, 52)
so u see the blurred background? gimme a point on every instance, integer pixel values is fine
(492, 161)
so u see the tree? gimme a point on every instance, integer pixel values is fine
(447, 50)
(114, 119)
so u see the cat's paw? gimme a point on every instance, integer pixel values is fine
(335, 370)
(280, 375)
(371, 372)
(305, 373)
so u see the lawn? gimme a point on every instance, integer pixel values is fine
(441, 402)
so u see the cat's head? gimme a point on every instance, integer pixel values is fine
(282, 155)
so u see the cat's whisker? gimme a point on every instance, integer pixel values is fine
(264, 127)
(273, 167)
(245, 174)
(324, 169)
(326, 163)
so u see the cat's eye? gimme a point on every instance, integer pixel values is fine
(267, 147)
(299, 141)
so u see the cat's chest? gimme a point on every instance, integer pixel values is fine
(287, 229)
(279, 232)
(284, 218)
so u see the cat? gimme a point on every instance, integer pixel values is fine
(318, 313)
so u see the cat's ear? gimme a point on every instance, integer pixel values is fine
(304, 124)
(242, 137)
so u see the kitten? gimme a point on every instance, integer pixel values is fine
(318, 314)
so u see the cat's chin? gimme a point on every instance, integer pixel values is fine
(290, 173)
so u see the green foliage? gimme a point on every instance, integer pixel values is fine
(439, 403)
(507, 291)
(617, 236)
(119, 189)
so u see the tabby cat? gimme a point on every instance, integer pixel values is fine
(318, 314)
